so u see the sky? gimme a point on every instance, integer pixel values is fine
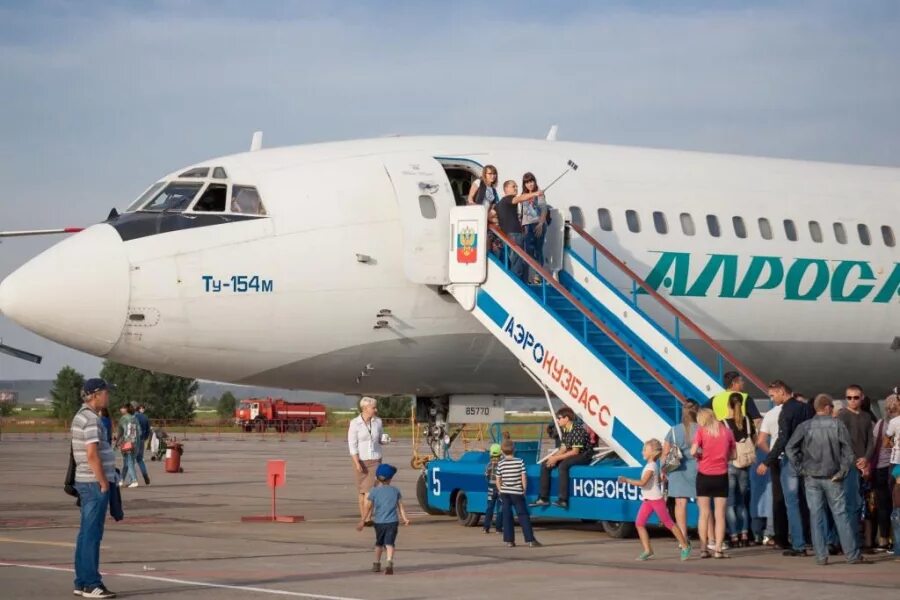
(99, 99)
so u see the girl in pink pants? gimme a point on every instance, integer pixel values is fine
(653, 501)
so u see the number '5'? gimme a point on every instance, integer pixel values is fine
(435, 482)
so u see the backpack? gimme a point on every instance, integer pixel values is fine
(746, 449)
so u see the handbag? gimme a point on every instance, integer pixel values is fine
(69, 483)
(674, 457)
(127, 447)
(746, 449)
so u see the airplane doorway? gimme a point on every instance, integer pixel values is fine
(462, 173)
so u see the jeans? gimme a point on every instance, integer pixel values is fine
(792, 486)
(139, 460)
(738, 514)
(534, 243)
(128, 468)
(87, 546)
(854, 502)
(494, 506)
(895, 525)
(882, 482)
(509, 530)
(823, 494)
(517, 266)
(563, 492)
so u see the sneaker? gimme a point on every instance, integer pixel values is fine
(146, 480)
(510, 544)
(794, 553)
(644, 556)
(541, 502)
(78, 592)
(376, 567)
(686, 552)
(133, 484)
(98, 591)
(563, 504)
(389, 568)
(859, 561)
(121, 483)
(534, 544)
(822, 563)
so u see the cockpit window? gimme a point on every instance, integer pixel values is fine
(246, 200)
(176, 196)
(195, 173)
(219, 173)
(213, 199)
(151, 191)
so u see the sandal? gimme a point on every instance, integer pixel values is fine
(720, 554)
(705, 554)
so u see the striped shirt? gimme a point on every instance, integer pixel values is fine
(87, 428)
(510, 471)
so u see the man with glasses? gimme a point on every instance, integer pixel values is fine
(575, 449)
(862, 439)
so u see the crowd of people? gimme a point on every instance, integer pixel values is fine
(522, 216)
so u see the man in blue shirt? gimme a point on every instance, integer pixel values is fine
(144, 424)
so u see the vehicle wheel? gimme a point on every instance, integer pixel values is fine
(466, 519)
(618, 529)
(306, 426)
(422, 495)
(294, 426)
(259, 425)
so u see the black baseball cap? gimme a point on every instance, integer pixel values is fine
(94, 385)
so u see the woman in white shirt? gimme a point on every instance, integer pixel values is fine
(364, 441)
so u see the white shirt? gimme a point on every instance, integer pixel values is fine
(893, 431)
(364, 438)
(652, 490)
(770, 425)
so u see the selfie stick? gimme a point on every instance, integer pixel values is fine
(572, 167)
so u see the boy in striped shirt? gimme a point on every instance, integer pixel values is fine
(511, 482)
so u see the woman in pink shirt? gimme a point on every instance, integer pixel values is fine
(713, 446)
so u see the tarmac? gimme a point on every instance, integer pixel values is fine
(183, 538)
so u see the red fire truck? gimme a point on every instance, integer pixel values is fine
(258, 414)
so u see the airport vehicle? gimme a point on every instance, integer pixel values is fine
(258, 414)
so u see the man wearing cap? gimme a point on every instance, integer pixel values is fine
(95, 471)
(364, 441)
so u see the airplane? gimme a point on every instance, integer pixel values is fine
(327, 266)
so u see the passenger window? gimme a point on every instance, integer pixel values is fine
(213, 199)
(427, 208)
(765, 228)
(687, 224)
(712, 223)
(577, 216)
(195, 173)
(605, 218)
(174, 197)
(151, 191)
(219, 173)
(246, 200)
(659, 222)
(840, 234)
(633, 221)
(864, 237)
(790, 230)
(740, 229)
(815, 232)
(887, 234)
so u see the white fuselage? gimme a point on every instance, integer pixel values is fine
(339, 241)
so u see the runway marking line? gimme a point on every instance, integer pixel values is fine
(223, 586)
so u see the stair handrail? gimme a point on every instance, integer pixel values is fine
(548, 278)
(741, 368)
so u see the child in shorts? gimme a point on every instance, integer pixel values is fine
(383, 506)
(653, 501)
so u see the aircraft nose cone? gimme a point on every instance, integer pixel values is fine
(75, 293)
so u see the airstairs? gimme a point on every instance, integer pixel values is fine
(589, 343)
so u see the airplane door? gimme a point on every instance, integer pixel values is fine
(424, 199)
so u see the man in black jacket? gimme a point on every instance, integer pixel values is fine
(793, 413)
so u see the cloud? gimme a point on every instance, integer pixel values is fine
(99, 100)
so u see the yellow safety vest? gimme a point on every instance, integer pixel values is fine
(720, 404)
